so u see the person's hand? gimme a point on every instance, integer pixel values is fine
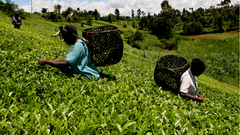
(42, 62)
(201, 99)
(51, 35)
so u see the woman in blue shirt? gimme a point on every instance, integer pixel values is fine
(78, 58)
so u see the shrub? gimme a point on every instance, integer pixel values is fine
(169, 44)
(193, 28)
(124, 25)
(133, 24)
(163, 27)
(203, 20)
(76, 18)
(143, 23)
(128, 34)
(89, 20)
(110, 18)
(138, 35)
(218, 23)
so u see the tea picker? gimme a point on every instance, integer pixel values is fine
(168, 71)
(172, 72)
(103, 47)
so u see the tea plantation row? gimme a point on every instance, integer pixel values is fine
(125, 100)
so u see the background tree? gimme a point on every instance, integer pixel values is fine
(57, 8)
(1, 4)
(110, 18)
(184, 12)
(139, 13)
(67, 12)
(134, 24)
(224, 3)
(149, 16)
(96, 14)
(165, 5)
(192, 28)
(117, 13)
(143, 23)
(196, 14)
(166, 9)
(53, 16)
(163, 28)
(143, 13)
(44, 10)
(132, 13)
(218, 23)
(22, 13)
(9, 7)
(203, 21)
(89, 20)
(201, 11)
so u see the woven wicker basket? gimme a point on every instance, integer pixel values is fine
(168, 71)
(105, 45)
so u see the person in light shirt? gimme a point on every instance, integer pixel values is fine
(188, 81)
(78, 59)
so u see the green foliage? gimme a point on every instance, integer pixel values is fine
(67, 12)
(8, 8)
(89, 20)
(124, 25)
(203, 21)
(125, 100)
(134, 24)
(218, 23)
(169, 44)
(57, 8)
(138, 35)
(96, 14)
(143, 23)
(163, 27)
(117, 13)
(110, 18)
(233, 26)
(132, 37)
(220, 56)
(44, 10)
(22, 13)
(193, 28)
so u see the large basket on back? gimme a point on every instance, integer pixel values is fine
(168, 71)
(105, 45)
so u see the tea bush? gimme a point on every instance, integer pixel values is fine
(125, 100)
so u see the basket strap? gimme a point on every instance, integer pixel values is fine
(76, 36)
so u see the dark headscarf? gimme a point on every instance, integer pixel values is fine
(69, 29)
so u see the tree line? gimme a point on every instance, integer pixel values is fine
(162, 24)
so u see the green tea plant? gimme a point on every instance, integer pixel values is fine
(125, 100)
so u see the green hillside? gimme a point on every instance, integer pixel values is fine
(125, 100)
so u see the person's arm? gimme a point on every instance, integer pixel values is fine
(55, 63)
(55, 35)
(20, 23)
(13, 20)
(199, 95)
(199, 98)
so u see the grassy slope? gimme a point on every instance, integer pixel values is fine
(221, 56)
(44, 100)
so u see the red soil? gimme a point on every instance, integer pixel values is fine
(206, 37)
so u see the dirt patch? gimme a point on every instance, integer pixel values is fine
(207, 37)
(234, 32)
